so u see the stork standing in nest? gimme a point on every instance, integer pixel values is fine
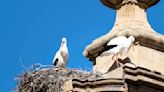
(61, 57)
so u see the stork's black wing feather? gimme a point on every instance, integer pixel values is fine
(106, 48)
(109, 47)
(56, 61)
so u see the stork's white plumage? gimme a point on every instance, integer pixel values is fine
(120, 45)
(61, 56)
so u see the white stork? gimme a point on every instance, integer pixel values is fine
(61, 57)
(119, 45)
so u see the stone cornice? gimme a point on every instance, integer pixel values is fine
(132, 76)
(142, 76)
(116, 4)
(93, 83)
(146, 38)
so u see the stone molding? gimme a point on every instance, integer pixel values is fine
(143, 76)
(131, 76)
(116, 4)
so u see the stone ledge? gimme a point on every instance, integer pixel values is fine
(146, 38)
(145, 72)
(99, 85)
(143, 76)
(132, 76)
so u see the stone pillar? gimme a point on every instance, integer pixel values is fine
(131, 14)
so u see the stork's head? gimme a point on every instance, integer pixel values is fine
(132, 39)
(64, 40)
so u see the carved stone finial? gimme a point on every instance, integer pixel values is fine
(131, 13)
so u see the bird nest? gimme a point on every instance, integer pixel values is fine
(50, 79)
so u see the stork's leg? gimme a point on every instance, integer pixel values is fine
(113, 57)
(117, 62)
(116, 59)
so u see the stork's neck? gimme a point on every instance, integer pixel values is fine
(63, 44)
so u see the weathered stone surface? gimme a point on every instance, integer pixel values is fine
(110, 85)
(148, 58)
(115, 74)
(103, 63)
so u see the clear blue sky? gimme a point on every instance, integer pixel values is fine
(32, 30)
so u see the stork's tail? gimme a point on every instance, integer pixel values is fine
(105, 50)
(55, 62)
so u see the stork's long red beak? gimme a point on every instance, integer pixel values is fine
(133, 44)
